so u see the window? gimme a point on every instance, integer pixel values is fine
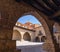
(18, 24)
(25, 26)
(40, 33)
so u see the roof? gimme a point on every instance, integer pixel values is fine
(25, 28)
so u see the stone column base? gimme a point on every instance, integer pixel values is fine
(49, 47)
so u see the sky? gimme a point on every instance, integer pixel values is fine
(28, 18)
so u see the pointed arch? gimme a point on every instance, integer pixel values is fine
(16, 35)
(27, 37)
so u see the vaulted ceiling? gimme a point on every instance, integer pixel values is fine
(50, 8)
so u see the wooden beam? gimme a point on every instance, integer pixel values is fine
(56, 13)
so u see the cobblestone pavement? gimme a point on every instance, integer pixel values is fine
(30, 46)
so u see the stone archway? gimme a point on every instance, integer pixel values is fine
(56, 31)
(27, 37)
(47, 27)
(43, 38)
(37, 39)
(16, 35)
(11, 11)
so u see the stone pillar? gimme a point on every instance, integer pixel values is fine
(48, 45)
(40, 38)
(22, 34)
(6, 42)
(6, 32)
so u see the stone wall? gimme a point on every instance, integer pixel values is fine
(6, 44)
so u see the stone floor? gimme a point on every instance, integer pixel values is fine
(30, 46)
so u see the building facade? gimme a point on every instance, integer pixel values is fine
(34, 30)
